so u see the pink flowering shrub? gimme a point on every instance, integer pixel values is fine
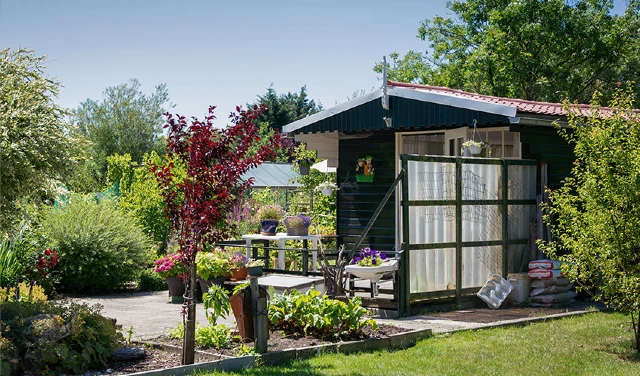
(170, 266)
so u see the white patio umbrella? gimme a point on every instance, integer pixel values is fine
(323, 167)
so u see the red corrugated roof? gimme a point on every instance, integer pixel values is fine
(543, 108)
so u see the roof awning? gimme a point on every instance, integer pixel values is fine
(408, 109)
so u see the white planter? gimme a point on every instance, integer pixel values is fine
(327, 191)
(372, 273)
(473, 149)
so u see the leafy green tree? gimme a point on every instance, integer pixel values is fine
(35, 147)
(596, 213)
(125, 121)
(285, 108)
(140, 194)
(545, 50)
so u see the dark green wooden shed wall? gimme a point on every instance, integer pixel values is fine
(358, 201)
(545, 145)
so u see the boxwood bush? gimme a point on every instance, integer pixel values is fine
(100, 247)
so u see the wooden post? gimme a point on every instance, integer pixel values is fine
(188, 345)
(259, 309)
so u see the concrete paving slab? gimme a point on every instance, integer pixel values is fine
(149, 313)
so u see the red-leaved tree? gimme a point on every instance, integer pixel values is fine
(201, 182)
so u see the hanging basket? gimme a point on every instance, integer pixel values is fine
(304, 170)
(474, 150)
(327, 191)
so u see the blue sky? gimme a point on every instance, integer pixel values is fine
(223, 53)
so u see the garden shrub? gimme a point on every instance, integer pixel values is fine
(149, 280)
(43, 338)
(314, 314)
(100, 247)
(29, 293)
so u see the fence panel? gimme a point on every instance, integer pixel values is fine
(494, 230)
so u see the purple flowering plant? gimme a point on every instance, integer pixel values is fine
(296, 221)
(369, 257)
(238, 260)
(170, 265)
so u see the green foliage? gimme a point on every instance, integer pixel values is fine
(100, 247)
(595, 214)
(244, 350)
(52, 339)
(140, 193)
(211, 265)
(529, 49)
(217, 336)
(27, 292)
(239, 288)
(35, 146)
(125, 121)
(285, 108)
(177, 332)
(148, 280)
(270, 212)
(314, 314)
(10, 267)
(216, 300)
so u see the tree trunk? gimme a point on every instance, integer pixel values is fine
(635, 322)
(188, 344)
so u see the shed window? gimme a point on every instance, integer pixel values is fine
(504, 144)
(423, 144)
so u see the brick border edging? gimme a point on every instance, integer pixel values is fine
(398, 340)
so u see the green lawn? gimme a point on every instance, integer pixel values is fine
(594, 344)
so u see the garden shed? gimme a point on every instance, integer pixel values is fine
(406, 184)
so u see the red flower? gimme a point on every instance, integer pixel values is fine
(47, 252)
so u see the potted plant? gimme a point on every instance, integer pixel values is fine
(326, 188)
(474, 147)
(238, 264)
(172, 268)
(372, 265)
(254, 267)
(212, 267)
(269, 216)
(297, 225)
(305, 165)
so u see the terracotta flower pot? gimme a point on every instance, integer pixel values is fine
(238, 274)
(241, 307)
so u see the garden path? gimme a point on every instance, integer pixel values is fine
(149, 313)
